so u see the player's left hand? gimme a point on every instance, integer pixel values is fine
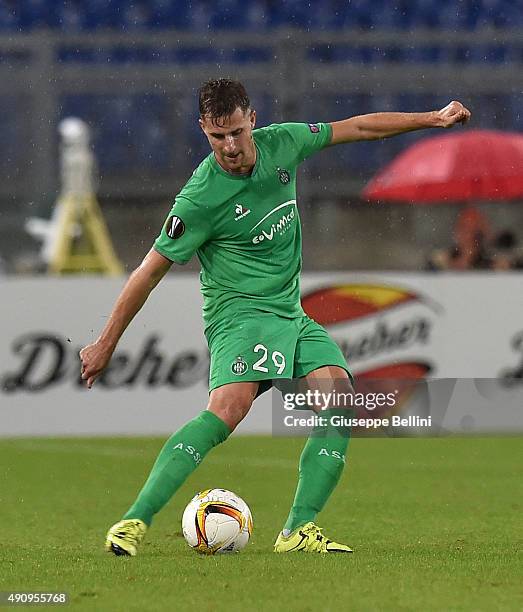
(94, 359)
(451, 114)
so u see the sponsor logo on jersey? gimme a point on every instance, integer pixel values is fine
(239, 366)
(240, 212)
(278, 228)
(174, 227)
(314, 128)
(284, 176)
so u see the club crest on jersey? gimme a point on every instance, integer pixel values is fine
(174, 227)
(240, 211)
(239, 366)
(314, 128)
(284, 176)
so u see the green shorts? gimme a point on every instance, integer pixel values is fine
(265, 346)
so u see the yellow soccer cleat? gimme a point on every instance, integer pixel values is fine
(124, 537)
(308, 538)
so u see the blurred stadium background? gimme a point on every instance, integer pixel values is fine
(434, 521)
(131, 71)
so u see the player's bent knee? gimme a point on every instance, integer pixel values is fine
(231, 403)
(230, 414)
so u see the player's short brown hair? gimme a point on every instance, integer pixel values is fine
(219, 98)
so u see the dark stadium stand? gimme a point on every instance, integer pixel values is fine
(137, 132)
(200, 15)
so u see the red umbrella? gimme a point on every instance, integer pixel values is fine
(471, 165)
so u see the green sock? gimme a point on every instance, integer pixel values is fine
(321, 464)
(180, 456)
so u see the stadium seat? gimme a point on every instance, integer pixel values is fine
(249, 55)
(34, 14)
(70, 17)
(9, 19)
(257, 15)
(152, 142)
(13, 135)
(199, 17)
(135, 16)
(425, 54)
(166, 14)
(515, 108)
(73, 54)
(264, 105)
(227, 15)
(195, 55)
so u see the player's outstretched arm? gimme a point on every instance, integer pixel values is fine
(384, 125)
(143, 280)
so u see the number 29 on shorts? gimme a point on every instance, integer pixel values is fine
(277, 358)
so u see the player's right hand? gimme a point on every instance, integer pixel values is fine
(94, 358)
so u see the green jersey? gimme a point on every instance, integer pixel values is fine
(245, 230)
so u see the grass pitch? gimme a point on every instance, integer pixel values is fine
(435, 524)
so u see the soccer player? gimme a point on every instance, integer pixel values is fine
(238, 213)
